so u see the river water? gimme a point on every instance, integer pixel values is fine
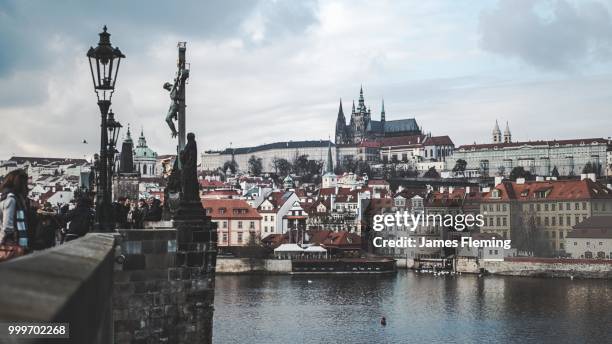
(419, 309)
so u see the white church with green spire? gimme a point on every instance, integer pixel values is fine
(144, 157)
(329, 179)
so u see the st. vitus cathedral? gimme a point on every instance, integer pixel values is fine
(361, 127)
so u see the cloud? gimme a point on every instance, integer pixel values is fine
(265, 71)
(550, 35)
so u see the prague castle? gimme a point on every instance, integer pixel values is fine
(361, 126)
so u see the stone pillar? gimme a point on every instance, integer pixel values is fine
(164, 281)
(195, 261)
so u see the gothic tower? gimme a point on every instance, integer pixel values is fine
(507, 135)
(341, 134)
(126, 161)
(497, 136)
(382, 115)
(360, 119)
(329, 178)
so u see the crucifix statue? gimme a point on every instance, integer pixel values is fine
(176, 111)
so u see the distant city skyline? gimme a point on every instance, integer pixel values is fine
(266, 71)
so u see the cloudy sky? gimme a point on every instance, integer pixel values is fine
(265, 71)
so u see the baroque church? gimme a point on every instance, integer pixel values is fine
(361, 126)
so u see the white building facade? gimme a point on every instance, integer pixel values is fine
(537, 157)
(316, 150)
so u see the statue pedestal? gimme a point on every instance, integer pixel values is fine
(196, 256)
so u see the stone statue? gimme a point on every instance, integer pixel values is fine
(173, 109)
(175, 91)
(189, 171)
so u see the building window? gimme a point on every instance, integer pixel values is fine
(560, 220)
(224, 224)
(252, 225)
(240, 237)
(240, 224)
(224, 237)
(560, 206)
(576, 206)
(584, 206)
(560, 234)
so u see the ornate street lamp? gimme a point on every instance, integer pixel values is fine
(104, 61)
(113, 128)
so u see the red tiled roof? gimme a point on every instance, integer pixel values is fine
(342, 239)
(370, 144)
(438, 141)
(277, 200)
(402, 140)
(233, 209)
(211, 183)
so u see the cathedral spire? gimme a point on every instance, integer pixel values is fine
(361, 100)
(382, 111)
(353, 106)
(340, 125)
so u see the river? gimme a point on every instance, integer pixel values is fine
(419, 309)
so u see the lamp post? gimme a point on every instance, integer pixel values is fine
(113, 128)
(104, 63)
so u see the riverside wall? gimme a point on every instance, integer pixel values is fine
(252, 265)
(538, 267)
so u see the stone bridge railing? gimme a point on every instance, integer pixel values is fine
(152, 285)
(71, 283)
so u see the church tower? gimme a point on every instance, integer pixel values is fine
(329, 178)
(507, 135)
(382, 116)
(126, 159)
(341, 134)
(497, 136)
(360, 119)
